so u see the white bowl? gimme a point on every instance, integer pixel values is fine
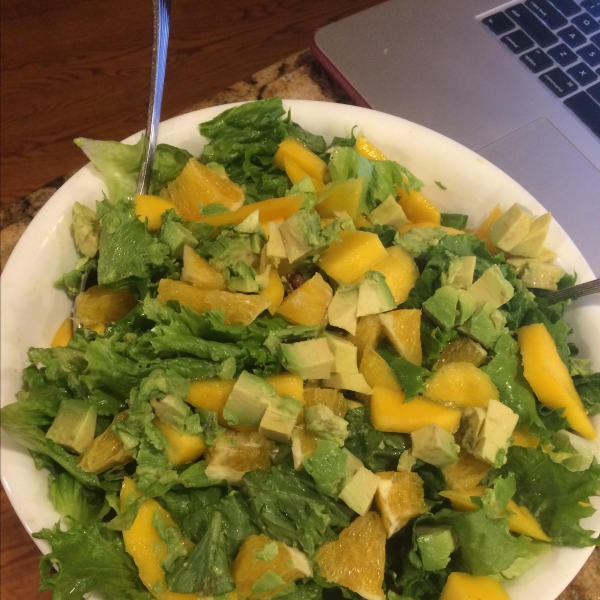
(32, 308)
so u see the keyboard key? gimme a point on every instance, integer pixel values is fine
(531, 25)
(562, 55)
(537, 60)
(592, 6)
(498, 23)
(586, 109)
(586, 23)
(566, 7)
(517, 41)
(591, 54)
(596, 39)
(572, 36)
(559, 82)
(547, 13)
(582, 74)
(594, 92)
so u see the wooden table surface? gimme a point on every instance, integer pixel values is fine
(37, 151)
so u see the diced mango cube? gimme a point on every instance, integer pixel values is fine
(483, 231)
(403, 329)
(63, 335)
(287, 384)
(524, 439)
(361, 221)
(296, 174)
(549, 377)
(390, 413)
(308, 161)
(274, 291)
(377, 371)
(417, 208)
(345, 196)
(199, 272)
(462, 384)
(449, 230)
(308, 304)
(152, 209)
(182, 448)
(400, 270)
(461, 586)
(364, 147)
(349, 259)
(210, 394)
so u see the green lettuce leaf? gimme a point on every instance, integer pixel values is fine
(588, 388)
(74, 501)
(327, 466)
(455, 220)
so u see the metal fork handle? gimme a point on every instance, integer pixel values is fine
(576, 291)
(162, 12)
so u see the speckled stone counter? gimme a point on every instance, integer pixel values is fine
(298, 77)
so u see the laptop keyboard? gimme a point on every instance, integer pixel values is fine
(559, 41)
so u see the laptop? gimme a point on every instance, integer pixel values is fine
(519, 83)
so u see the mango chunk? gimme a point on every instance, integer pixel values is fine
(287, 384)
(483, 231)
(367, 149)
(274, 291)
(461, 586)
(345, 196)
(197, 271)
(308, 304)
(63, 335)
(521, 521)
(390, 413)
(417, 208)
(403, 329)
(462, 384)
(400, 270)
(239, 309)
(296, 174)
(349, 259)
(368, 334)
(549, 377)
(103, 305)
(449, 230)
(377, 371)
(147, 548)
(361, 221)
(151, 208)
(308, 161)
(524, 439)
(182, 448)
(268, 210)
(197, 184)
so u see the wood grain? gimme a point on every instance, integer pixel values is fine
(81, 67)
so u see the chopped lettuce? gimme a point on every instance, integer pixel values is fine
(411, 377)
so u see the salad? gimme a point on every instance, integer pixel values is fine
(296, 378)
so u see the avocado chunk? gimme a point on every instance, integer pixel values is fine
(435, 544)
(460, 272)
(248, 400)
(485, 326)
(173, 411)
(389, 212)
(251, 224)
(342, 310)
(407, 461)
(511, 228)
(274, 248)
(280, 418)
(301, 234)
(572, 451)
(441, 307)
(355, 382)
(321, 420)
(541, 275)
(86, 230)
(466, 306)
(328, 467)
(486, 433)
(74, 425)
(345, 354)
(360, 490)
(434, 445)
(176, 236)
(533, 243)
(492, 287)
(419, 239)
(374, 295)
(311, 359)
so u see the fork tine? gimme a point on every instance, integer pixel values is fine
(576, 291)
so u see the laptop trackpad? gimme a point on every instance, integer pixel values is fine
(552, 170)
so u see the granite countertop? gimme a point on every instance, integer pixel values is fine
(298, 77)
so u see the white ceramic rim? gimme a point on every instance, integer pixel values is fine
(45, 251)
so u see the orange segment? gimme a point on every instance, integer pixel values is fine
(357, 559)
(197, 184)
(103, 306)
(304, 444)
(400, 270)
(483, 231)
(263, 568)
(417, 208)
(308, 304)
(464, 350)
(399, 498)
(333, 399)
(367, 149)
(235, 453)
(466, 473)
(63, 334)
(197, 271)
(403, 328)
(239, 309)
